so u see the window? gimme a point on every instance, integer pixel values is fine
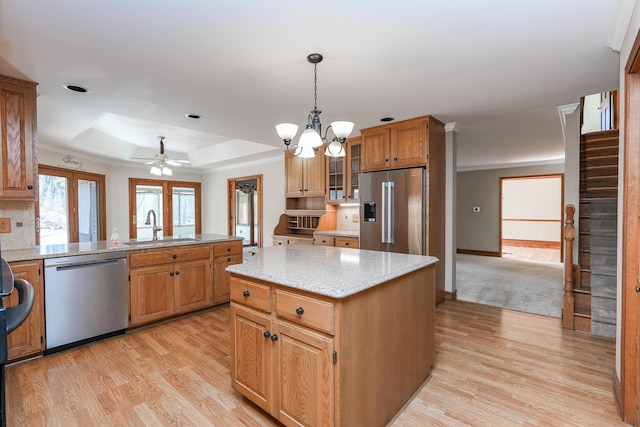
(71, 206)
(173, 205)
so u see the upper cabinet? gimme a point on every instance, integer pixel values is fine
(399, 145)
(342, 174)
(18, 158)
(304, 177)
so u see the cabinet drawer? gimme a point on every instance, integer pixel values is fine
(227, 248)
(347, 242)
(306, 311)
(150, 257)
(323, 240)
(251, 294)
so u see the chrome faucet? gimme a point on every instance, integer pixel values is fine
(148, 222)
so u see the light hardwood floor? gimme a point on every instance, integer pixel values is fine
(531, 254)
(493, 367)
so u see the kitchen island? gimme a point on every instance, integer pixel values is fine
(331, 336)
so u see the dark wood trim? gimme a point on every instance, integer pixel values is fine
(539, 244)
(73, 176)
(628, 356)
(451, 296)
(231, 205)
(476, 252)
(167, 189)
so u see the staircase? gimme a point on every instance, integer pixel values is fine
(594, 284)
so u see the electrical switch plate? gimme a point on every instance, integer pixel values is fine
(5, 225)
(476, 208)
(355, 217)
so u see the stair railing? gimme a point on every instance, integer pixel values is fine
(569, 281)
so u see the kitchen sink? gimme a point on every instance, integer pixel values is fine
(159, 241)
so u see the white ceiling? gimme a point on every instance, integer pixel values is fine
(499, 68)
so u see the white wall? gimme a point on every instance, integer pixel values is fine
(214, 195)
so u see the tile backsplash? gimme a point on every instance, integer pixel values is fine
(348, 218)
(23, 224)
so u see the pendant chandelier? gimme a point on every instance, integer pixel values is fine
(311, 139)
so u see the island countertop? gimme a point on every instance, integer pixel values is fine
(87, 248)
(326, 270)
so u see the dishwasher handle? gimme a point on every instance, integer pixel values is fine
(76, 265)
(18, 314)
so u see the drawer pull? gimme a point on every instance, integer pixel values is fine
(300, 311)
(228, 259)
(267, 334)
(177, 273)
(171, 274)
(175, 256)
(274, 337)
(246, 294)
(228, 249)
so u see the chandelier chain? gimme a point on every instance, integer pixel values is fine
(315, 86)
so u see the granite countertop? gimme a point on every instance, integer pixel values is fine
(327, 270)
(87, 248)
(338, 233)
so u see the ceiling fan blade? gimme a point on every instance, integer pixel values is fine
(150, 163)
(173, 163)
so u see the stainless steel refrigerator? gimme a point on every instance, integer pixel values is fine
(393, 211)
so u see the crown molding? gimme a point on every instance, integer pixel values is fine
(452, 127)
(621, 24)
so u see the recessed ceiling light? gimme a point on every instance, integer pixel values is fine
(387, 119)
(76, 88)
(193, 116)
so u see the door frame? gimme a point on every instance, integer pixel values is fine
(561, 207)
(231, 204)
(627, 389)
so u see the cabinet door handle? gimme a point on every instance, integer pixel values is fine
(267, 334)
(29, 187)
(300, 311)
(228, 259)
(246, 294)
(274, 337)
(171, 274)
(228, 249)
(174, 256)
(177, 273)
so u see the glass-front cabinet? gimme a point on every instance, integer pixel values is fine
(342, 174)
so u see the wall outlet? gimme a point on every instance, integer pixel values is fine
(476, 208)
(355, 217)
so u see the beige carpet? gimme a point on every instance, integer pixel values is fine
(529, 286)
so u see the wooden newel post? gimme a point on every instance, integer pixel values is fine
(569, 236)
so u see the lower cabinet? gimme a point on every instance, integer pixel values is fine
(28, 338)
(290, 373)
(347, 242)
(224, 255)
(164, 282)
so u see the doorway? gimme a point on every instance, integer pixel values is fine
(531, 217)
(244, 196)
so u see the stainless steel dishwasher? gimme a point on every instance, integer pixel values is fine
(85, 298)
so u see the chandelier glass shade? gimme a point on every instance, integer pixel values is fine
(311, 138)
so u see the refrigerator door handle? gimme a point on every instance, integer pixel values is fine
(383, 212)
(391, 213)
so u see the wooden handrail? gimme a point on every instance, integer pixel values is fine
(569, 236)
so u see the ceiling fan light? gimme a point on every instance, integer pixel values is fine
(287, 131)
(167, 171)
(335, 149)
(310, 138)
(342, 129)
(155, 170)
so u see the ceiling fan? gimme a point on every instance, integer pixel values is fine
(161, 161)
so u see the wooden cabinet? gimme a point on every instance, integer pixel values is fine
(290, 373)
(342, 174)
(304, 177)
(224, 255)
(322, 240)
(298, 226)
(399, 145)
(18, 158)
(312, 360)
(165, 282)
(28, 338)
(347, 242)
